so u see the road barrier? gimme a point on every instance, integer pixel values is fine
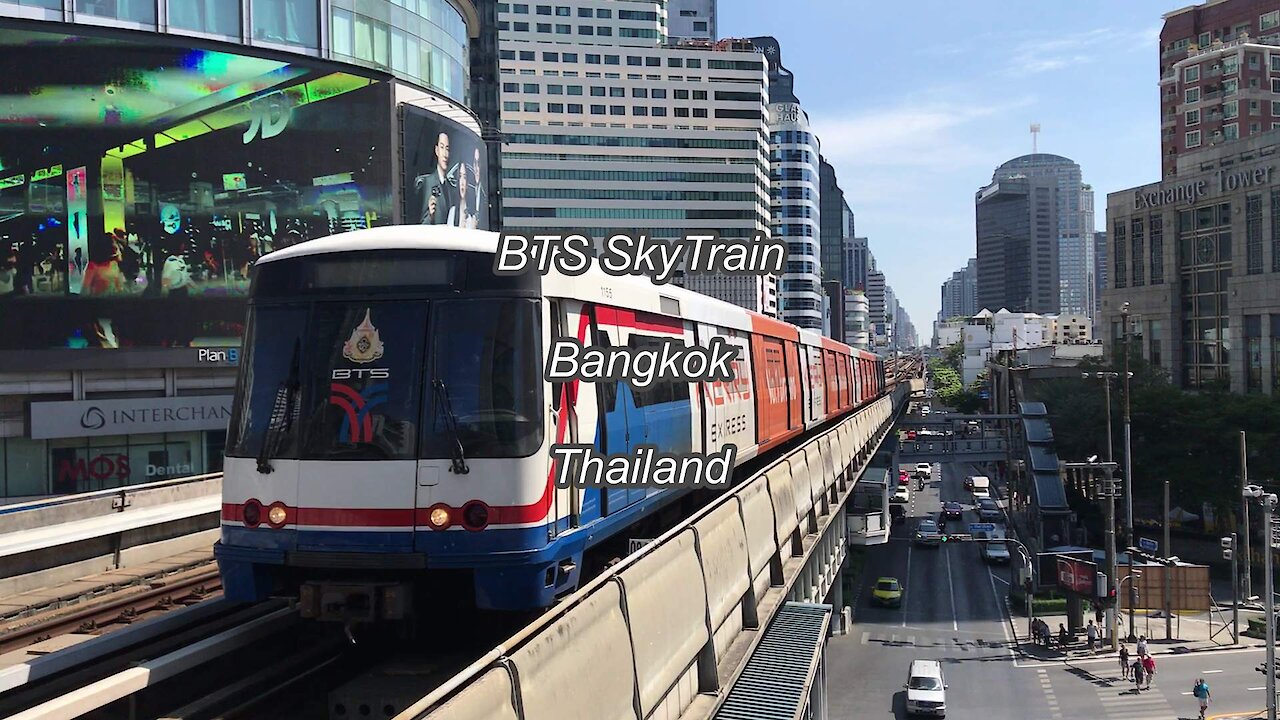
(664, 633)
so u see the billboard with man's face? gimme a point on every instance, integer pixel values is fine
(445, 172)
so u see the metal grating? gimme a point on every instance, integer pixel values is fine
(776, 681)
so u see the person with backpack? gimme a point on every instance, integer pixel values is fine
(1201, 693)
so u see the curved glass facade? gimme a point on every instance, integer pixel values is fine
(423, 41)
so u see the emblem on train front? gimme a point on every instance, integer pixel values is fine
(364, 345)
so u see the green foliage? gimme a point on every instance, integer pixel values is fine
(953, 356)
(1190, 439)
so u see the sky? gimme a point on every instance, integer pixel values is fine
(915, 105)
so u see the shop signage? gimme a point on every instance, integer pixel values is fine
(218, 356)
(83, 418)
(1076, 576)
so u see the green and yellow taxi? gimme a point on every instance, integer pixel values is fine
(887, 591)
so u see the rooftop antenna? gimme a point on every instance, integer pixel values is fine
(1035, 133)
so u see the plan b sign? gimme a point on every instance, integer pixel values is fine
(218, 356)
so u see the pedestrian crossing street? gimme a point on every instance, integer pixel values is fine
(963, 642)
(1117, 696)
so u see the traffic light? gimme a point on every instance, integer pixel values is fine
(1100, 586)
(1227, 547)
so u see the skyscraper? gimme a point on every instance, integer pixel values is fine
(857, 262)
(609, 127)
(795, 185)
(833, 207)
(1215, 76)
(960, 293)
(1035, 237)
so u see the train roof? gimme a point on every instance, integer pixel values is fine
(444, 237)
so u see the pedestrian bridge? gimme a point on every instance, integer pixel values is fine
(933, 450)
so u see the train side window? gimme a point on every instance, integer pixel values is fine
(607, 389)
(557, 332)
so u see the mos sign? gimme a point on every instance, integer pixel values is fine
(1076, 575)
(82, 418)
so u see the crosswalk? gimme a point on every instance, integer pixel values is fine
(1117, 697)
(932, 640)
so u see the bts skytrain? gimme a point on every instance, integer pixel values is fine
(392, 427)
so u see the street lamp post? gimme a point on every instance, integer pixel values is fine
(1268, 502)
(1128, 472)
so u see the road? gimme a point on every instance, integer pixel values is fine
(954, 610)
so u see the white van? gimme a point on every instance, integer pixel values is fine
(926, 689)
(981, 486)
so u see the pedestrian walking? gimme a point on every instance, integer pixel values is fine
(1149, 668)
(1142, 646)
(1201, 693)
(1138, 675)
(1124, 662)
(1064, 637)
(1092, 633)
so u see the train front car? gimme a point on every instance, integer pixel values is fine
(389, 438)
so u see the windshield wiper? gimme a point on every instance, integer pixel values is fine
(284, 411)
(459, 464)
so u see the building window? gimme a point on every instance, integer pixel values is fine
(1192, 117)
(527, 55)
(1230, 109)
(1275, 85)
(1275, 236)
(1231, 131)
(555, 107)
(287, 22)
(510, 106)
(521, 27)
(1253, 233)
(1269, 20)
(1204, 237)
(1230, 65)
(211, 16)
(1156, 228)
(1275, 63)
(1192, 95)
(575, 109)
(531, 88)
(1138, 241)
(586, 29)
(1157, 338)
(1253, 353)
(139, 12)
(1191, 73)
(1275, 353)
(1121, 265)
(532, 107)
(543, 27)
(1230, 86)
(1193, 139)
(699, 26)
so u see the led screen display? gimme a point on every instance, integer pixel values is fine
(445, 172)
(139, 183)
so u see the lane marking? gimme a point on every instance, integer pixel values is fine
(865, 637)
(951, 587)
(1209, 672)
(1264, 687)
(906, 600)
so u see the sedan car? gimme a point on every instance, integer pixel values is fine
(924, 470)
(952, 509)
(989, 511)
(903, 478)
(887, 592)
(901, 494)
(928, 533)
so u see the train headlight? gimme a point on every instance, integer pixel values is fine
(438, 517)
(277, 515)
(475, 515)
(252, 513)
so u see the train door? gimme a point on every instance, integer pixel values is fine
(563, 419)
(729, 415)
(621, 425)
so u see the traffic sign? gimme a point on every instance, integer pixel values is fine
(981, 527)
(1148, 545)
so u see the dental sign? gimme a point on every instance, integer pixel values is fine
(84, 418)
(1191, 191)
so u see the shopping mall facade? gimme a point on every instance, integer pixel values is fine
(152, 150)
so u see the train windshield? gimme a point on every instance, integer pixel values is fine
(384, 380)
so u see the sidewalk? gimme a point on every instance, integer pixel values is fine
(1192, 636)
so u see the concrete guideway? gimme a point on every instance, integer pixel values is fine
(691, 605)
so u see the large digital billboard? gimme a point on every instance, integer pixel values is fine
(139, 182)
(445, 171)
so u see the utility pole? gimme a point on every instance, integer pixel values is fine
(1244, 483)
(1168, 571)
(1235, 589)
(1128, 475)
(1112, 624)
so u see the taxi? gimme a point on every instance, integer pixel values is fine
(887, 591)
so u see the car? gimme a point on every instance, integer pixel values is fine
(901, 494)
(968, 482)
(989, 510)
(904, 478)
(887, 592)
(924, 470)
(926, 689)
(995, 552)
(928, 533)
(924, 410)
(952, 509)
(911, 434)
